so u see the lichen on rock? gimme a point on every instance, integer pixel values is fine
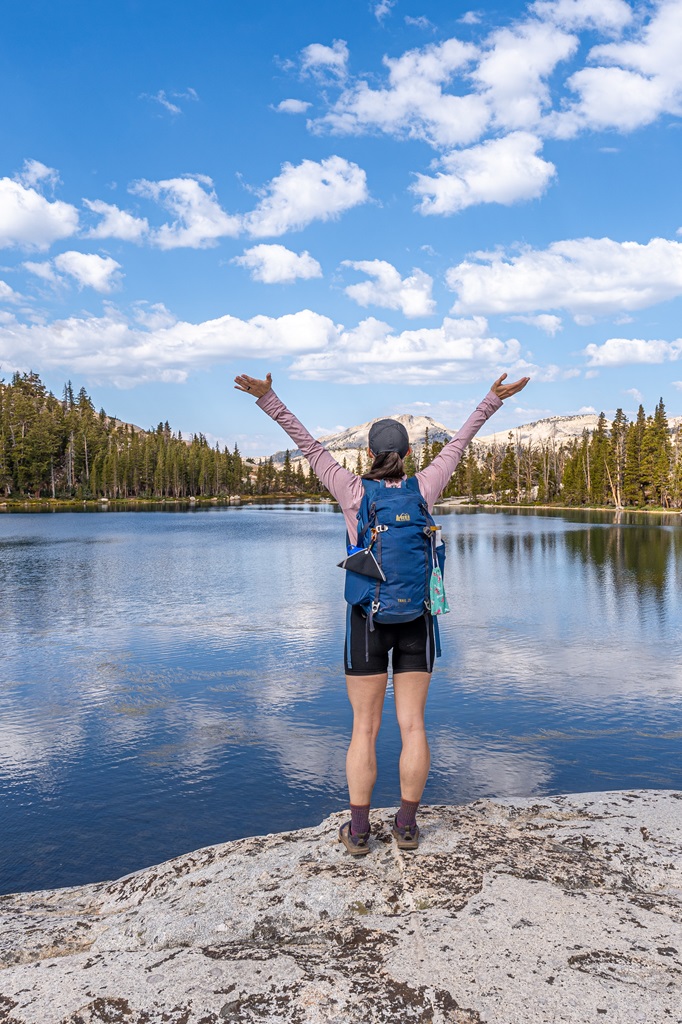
(561, 909)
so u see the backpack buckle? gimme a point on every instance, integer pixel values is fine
(381, 528)
(376, 605)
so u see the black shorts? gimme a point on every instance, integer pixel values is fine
(366, 652)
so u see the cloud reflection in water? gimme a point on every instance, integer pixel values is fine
(176, 679)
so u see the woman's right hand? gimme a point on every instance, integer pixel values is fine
(253, 385)
(503, 390)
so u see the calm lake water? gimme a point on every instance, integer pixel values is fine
(174, 679)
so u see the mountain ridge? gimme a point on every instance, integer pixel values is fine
(346, 444)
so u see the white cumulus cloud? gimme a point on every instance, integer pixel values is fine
(292, 106)
(29, 220)
(45, 271)
(458, 350)
(415, 103)
(383, 8)
(506, 171)
(519, 77)
(199, 218)
(546, 322)
(586, 276)
(513, 71)
(318, 59)
(411, 295)
(116, 223)
(634, 80)
(90, 270)
(306, 192)
(8, 294)
(293, 199)
(35, 174)
(620, 351)
(275, 264)
(125, 351)
(603, 15)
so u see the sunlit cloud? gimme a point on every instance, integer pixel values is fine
(27, 219)
(621, 351)
(307, 192)
(275, 264)
(587, 276)
(385, 287)
(506, 171)
(199, 219)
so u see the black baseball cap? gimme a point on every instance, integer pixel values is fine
(389, 436)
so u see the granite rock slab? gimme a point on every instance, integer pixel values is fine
(566, 908)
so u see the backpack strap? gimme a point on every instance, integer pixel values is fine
(374, 607)
(371, 488)
(436, 635)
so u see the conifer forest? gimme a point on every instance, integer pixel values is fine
(62, 448)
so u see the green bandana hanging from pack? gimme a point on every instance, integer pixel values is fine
(439, 601)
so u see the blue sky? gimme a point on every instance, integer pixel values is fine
(386, 204)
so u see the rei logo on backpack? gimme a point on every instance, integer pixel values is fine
(395, 525)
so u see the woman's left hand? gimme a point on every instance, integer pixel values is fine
(252, 385)
(507, 390)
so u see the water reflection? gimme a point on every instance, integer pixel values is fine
(634, 555)
(174, 680)
(487, 768)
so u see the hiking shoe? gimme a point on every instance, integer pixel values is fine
(406, 837)
(357, 845)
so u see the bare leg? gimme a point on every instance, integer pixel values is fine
(411, 690)
(366, 695)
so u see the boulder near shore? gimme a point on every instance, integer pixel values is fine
(520, 911)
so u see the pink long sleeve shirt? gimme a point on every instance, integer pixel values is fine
(347, 487)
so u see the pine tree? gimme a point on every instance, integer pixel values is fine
(426, 454)
(506, 480)
(662, 457)
(676, 474)
(619, 428)
(287, 473)
(573, 488)
(633, 484)
(599, 452)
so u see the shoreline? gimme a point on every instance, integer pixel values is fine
(457, 502)
(512, 910)
(110, 504)
(102, 504)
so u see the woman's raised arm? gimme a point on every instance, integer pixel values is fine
(345, 486)
(434, 479)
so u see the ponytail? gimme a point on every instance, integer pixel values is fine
(386, 466)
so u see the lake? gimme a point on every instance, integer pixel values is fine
(172, 679)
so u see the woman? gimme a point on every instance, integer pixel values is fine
(411, 642)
